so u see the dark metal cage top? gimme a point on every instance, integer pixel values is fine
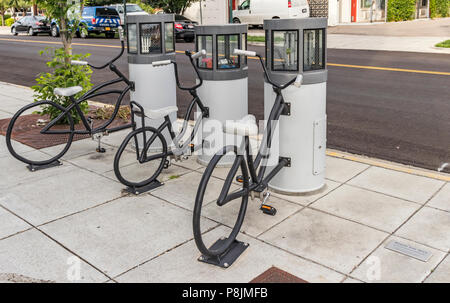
(296, 46)
(219, 41)
(150, 38)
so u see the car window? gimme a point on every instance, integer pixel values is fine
(106, 12)
(132, 8)
(245, 5)
(87, 11)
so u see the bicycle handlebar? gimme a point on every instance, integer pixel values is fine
(121, 37)
(297, 80)
(122, 43)
(244, 53)
(76, 62)
(191, 57)
(199, 54)
(161, 63)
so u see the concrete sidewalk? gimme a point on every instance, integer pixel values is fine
(388, 43)
(52, 220)
(414, 28)
(5, 30)
(425, 44)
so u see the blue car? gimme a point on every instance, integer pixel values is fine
(94, 19)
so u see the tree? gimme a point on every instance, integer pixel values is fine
(67, 15)
(4, 5)
(171, 6)
(20, 5)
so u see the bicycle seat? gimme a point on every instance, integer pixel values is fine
(67, 91)
(244, 127)
(160, 113)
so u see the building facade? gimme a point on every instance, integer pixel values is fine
(210, 11)
(348, 11)
(337, 11)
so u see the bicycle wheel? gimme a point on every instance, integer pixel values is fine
(129, 168)
(215, 178)
(29, 142)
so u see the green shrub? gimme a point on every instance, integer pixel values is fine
(439, 8)
(400, 10)
(442, 7)
(445, 44)
(63, 75)
(9, 22)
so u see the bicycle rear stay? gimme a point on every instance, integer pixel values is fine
(65, 112)
(150, 136)
(253, 179)
(95, 92)
(180, 148)
(259, 179)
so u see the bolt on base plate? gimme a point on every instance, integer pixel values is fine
(227, 258)
(34, 168)
(139, 190)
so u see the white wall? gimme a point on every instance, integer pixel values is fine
(213, 11)
(346, 11)
(333, 13)
(339, 11)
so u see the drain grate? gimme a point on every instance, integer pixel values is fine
(276, 275)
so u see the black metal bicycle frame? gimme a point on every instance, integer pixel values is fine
(142, 157)
(258, 180)
(94, 92)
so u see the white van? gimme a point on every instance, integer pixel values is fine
(253, 12)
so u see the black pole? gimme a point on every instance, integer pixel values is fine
(125, 13)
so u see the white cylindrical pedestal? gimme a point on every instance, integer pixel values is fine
(301, 137)
(155, 88)
(227, 100)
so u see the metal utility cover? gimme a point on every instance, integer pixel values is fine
(409, 251)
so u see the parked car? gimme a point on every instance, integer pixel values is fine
(184, 28)
(254, 12)
(132, 9)
(32, 25)
(94, 19)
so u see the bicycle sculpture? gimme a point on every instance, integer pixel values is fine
(64, 133)
(252, 178)
(147, 145)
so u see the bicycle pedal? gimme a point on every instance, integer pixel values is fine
(192, 146)
(268, 210)
(240, 179)
(166, 164)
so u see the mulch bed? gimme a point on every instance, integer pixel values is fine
(276, 275)
(27, 130)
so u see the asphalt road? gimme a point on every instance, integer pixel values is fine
(393, 115)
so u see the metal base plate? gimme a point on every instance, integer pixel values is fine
(33, 168)
(143, 189)
(228, 258)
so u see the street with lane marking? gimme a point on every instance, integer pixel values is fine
(389, 105)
